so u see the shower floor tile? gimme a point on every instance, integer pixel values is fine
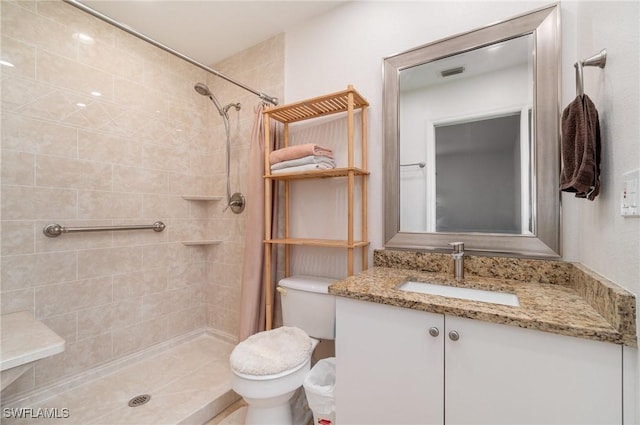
(188, 383)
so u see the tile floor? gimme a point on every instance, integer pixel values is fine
(189, 384)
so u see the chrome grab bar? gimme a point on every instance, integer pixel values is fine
(54, 230)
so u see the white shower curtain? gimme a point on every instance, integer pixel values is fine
(252, 299)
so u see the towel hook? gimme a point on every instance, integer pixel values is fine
(599, 60)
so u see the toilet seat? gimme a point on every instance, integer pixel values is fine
(273, 386)
(272, 352)
(270, 377)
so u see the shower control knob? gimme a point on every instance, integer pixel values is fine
(236, 202)
(433, 331)
(454, 335)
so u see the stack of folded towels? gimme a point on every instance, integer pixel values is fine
(301, 158)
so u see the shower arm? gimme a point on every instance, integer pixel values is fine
(265, 97)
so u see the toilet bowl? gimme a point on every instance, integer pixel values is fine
(268, 395)
(268, 367)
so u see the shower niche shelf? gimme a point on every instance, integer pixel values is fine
(201, 198)
(345, 102)
(202, 242)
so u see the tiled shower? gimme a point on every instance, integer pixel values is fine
(100, 128)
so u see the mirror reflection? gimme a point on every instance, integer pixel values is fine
(465, 127)
(471, 135)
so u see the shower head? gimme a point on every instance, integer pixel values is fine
(202, 89)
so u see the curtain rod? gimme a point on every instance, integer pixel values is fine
(105, 18)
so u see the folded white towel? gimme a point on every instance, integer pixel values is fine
(305, 167)
(310, 159)
(271, 352)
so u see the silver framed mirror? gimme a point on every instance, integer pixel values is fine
(471, 140)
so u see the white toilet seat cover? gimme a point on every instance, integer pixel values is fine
(271, 352)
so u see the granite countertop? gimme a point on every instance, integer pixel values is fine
(548, 307)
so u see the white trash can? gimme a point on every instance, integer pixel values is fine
(319, 385)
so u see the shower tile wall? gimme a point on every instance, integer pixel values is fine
(260, 67)
(125, 156)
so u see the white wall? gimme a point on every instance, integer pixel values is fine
(609, 243)
(348, 44)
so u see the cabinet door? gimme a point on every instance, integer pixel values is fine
(499, 374)
(389, 369)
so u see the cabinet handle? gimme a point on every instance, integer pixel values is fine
(454, 335)
(434, 331)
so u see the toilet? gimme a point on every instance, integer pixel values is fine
(268, 367)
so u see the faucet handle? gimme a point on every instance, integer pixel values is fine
(457, 246)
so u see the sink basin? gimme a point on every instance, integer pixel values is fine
(493, 297)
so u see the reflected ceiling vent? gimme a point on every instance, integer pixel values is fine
(452, 71)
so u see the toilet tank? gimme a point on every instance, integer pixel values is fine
(306, 304)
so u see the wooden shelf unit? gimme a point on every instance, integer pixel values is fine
(346, 101)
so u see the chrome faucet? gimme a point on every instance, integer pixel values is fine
(458, 260)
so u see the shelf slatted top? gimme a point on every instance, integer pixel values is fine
(317, 107)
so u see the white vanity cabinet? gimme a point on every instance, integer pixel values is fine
(388, 369)
(399, 366)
